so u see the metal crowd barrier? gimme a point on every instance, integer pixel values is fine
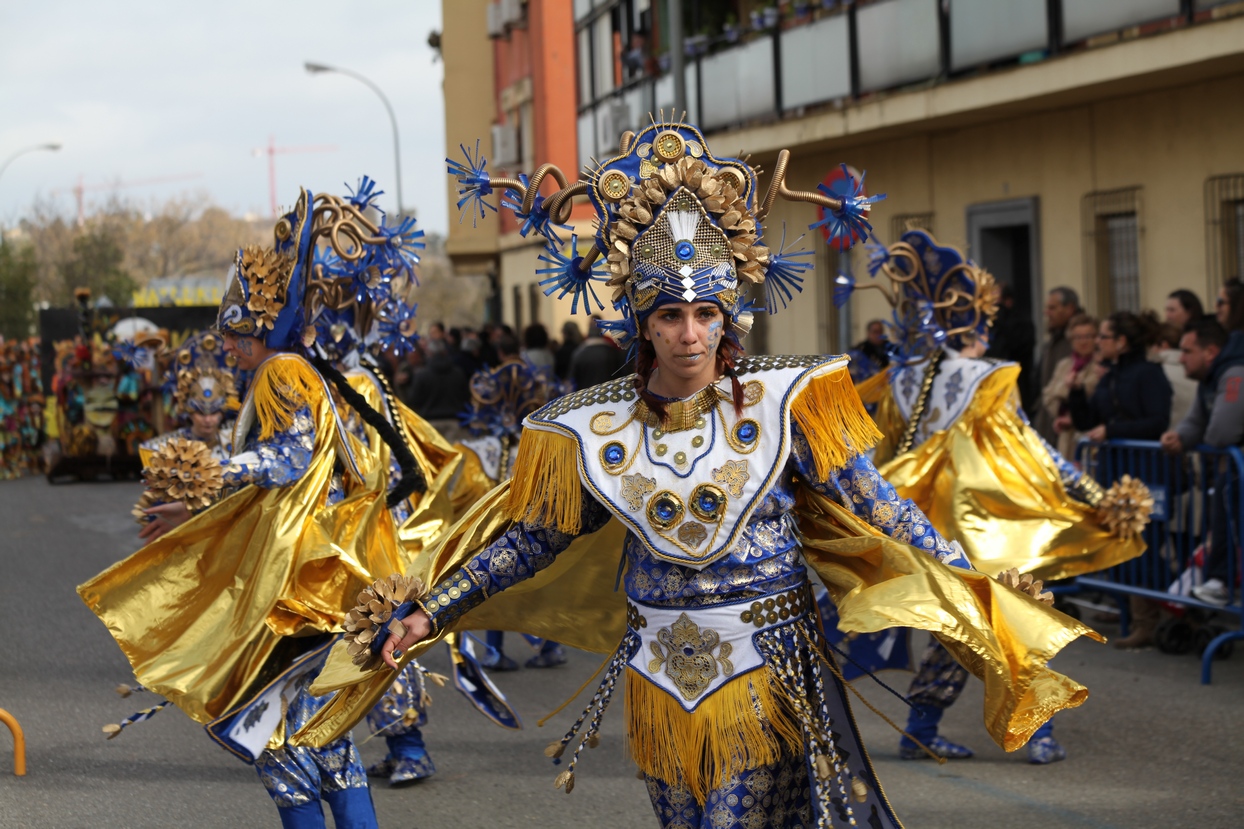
(1177, 537)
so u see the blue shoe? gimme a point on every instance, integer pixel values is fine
(548, 658)
(411, 769)
(1045, 750)
(496, 660)
(382, 769)
(939, 746)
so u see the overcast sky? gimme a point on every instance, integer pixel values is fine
(138, 90)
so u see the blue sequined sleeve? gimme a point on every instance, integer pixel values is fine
(859, 487)
(279, 461)
(1078, 485)
(520, 553)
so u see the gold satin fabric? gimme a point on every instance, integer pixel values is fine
(989, 483)
(432, 512)
(200, 610)
(1001, 636)
(472, 484)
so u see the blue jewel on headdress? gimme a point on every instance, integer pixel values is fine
(207, 392)
(684, 250)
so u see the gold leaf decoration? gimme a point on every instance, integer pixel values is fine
(184, 470)
(267, 272)
(1026, 584)
(375, 608)
(1126, 507)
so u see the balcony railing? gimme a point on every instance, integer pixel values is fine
(865, 48)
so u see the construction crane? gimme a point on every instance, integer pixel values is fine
(271, 151)
(80, 189)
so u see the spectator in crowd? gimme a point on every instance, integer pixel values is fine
(1133, 398)
(1061, 304)
(471, 348)
(870, 357)
(597, 360)
(1182, 307)
(1231, 305)
(572, 338)
(1079, 366)
(488, 333)
(1013, 337)
(1167, 354)
(536, 346)
(436, 331)
(438, 390)
(1216, 360)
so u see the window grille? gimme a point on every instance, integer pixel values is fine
(1224, 229)
(1112, 227)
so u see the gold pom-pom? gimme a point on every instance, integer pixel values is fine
(1026, 584)
(183, 470)
(859, 790)
(112, 730)
(1126, 507)
(375, 607)
(823, 769)
(565, 780)
(554, 749)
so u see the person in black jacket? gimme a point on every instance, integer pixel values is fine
(1133, 399)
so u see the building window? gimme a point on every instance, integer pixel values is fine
(1111, 224)
(904, 222)
(516, 293)
(833, 324)
(1224, 229)
(533, 302)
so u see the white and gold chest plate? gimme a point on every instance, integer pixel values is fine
(686, 493)
(954, 385)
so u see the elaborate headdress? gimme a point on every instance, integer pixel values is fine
(501, 397)
(674, 223)
(937, 294)
(201, 376)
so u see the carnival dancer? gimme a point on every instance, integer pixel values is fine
(501, 398)
(302, 539)
(959, 446)
(707, 460)
(200, 377)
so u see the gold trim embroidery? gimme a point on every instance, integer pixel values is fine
(692, 533)
(669, 499)
(717, 498)
(635, 488)
(681, 415)
(733, 475)
(690, 662)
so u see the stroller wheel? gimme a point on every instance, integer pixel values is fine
(1174, 636)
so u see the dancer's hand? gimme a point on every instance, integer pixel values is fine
(165, 517)
(417, 626)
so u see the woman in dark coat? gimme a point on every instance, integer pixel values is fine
(1133, 399)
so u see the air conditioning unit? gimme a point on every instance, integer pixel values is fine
(513, 13)
(505, 146)
(496, 26)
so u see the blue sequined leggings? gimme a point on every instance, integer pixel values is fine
(770, 797)
(401, 713)
(939, 680)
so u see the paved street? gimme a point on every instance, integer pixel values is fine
(1151, 748)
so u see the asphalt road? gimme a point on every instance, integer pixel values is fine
(1151, 748)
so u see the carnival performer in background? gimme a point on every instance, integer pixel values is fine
(200, 376)
(302, 538)
(735, 712)
(501, 398)
(959, 446)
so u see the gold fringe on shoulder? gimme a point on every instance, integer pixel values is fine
(874, 388)
(282, 386)
(545, 487)
(834, 421)
(722, 737)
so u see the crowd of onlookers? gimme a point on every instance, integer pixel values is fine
(434, 379)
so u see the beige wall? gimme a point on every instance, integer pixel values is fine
(1168, 141)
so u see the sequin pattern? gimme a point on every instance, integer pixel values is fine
(404, 707)
(279, 461)
(768, 797)
(297, 775)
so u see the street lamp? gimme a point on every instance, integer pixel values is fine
(316, 68)
(50, 146)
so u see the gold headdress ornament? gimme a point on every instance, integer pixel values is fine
(674, 224)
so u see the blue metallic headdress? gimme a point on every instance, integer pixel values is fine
(674, 224)
(501, 397)
(201, 376)
(937, 294)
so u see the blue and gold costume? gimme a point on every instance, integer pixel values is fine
(201, 378)
(736, 712)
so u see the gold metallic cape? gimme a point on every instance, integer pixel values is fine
(473, 482)
(432, 511)
(200, 610)
(1000, 635)
(989, 483)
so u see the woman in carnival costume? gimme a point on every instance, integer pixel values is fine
(200, 376)
(958, 445)
(303, 539)
(360, 310)
(691, 471)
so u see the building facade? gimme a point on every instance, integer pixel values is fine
(1060, 142)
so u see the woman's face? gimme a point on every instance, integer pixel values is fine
(1108, 344)
(686, 336)
(203, 425)
(1175, 313)
(1083, 340)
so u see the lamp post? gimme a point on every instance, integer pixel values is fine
(50, 146)
(316, 68)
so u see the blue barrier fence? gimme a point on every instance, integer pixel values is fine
(1196, 495)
